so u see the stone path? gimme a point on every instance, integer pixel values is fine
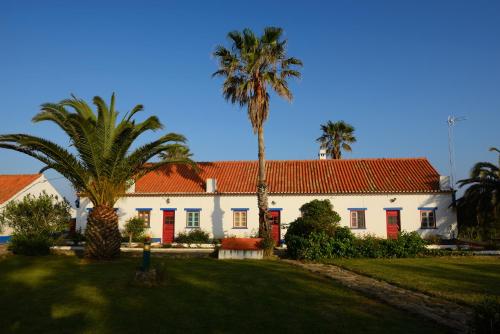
(446, 313)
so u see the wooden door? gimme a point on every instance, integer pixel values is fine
(275, 225)
(168, 226)
(393, 224)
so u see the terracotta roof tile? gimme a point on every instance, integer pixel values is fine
(12, 184)
(298, 177)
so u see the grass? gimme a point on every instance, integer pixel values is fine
(465, 279)
(58, 294)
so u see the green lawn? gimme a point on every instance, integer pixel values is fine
(60, 294)
(465, 279)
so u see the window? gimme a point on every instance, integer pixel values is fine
(358, 219)
(146, 216)
(239, 219)
(193, 219)
(428, 218)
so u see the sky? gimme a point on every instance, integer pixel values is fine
(394, 70)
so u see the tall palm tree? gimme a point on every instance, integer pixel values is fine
(337, 136)
(252, 67)
(483, 192)
(101, 163)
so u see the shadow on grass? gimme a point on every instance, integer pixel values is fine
(58, 294)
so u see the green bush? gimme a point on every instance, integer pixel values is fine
(317, 235)
(408, 244)
(25, 244)
(321, 245)
(196, 236)
(486, 319)
(308, 237)
(370, 246)
(317, 216)
(134, 230)
(36, 223)
(77, 236)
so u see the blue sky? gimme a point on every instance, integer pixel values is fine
(393, 69)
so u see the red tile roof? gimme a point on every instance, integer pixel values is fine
(12, 184)
(297, 177)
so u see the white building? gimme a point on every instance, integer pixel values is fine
(372, 196)
(15, 187)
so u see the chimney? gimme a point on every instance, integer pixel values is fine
(322, 154)
(444, 182)
(211, 186)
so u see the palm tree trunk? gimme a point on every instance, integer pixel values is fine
(102, 235)
(262, 189)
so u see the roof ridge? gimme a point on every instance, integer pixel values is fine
(311, 160)
(32, 174)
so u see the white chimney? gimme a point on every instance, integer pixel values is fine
(322, 154)
(211, 186)
(444, 182)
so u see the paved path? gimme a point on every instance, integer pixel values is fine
(443, 312)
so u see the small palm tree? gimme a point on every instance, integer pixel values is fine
(176, 152)
(336, 137)
(101, 164)
(483, 192)
(252, 67)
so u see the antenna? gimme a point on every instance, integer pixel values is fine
(452, 120)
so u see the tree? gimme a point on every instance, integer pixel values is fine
(252, 67)
(176, 153)
(101, 164)
(336, 137)
(483, 193)
(134, 229)
(35, 221)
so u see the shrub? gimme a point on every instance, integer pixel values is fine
(306, 236)
(196, 236)
(25, 244)
(267, 244)
(134, 229)
(317, 216)
(321, 245)
(486, 317)
(316, 235)
(77, 236)
(370, 246)
(35, 222)
(408, 244)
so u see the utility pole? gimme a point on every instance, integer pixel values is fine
(452, 120)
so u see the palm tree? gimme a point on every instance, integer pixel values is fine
(336, 137)
(176, 152)
(483, 192)
(252, 67)
(101, 164)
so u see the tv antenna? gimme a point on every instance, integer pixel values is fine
(452, 121)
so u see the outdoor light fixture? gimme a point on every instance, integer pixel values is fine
(167, 200)
(273, 202)
(392, 200)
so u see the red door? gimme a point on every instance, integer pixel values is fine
(275, 225)
(168, 226)
(393, 224)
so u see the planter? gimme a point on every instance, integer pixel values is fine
(241, 248)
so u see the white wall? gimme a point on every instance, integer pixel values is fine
(35, 188)
(216, 216)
